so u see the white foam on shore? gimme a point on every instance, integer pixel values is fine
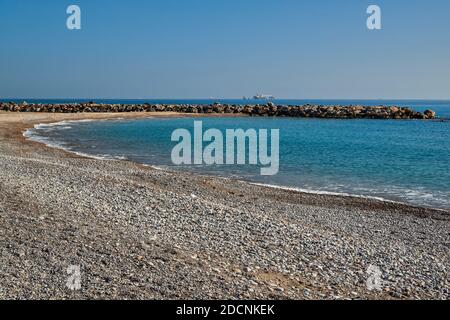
(343, 194)
(154, 167)
(44, 126)
(327, 193)
(32, 135)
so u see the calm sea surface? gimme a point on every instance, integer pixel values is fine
(402, 160)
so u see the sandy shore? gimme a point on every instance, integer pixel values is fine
(140, 233)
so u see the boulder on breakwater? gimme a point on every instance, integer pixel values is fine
(269, 110)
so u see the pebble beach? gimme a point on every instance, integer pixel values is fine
(141, 233)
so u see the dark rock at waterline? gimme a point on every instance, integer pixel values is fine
(269, 110)
(430, 114)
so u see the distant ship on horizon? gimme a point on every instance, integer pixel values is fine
(261, 97)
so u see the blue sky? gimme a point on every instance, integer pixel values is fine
(225, 48)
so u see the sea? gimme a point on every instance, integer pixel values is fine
(404, 161)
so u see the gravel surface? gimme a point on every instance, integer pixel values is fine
(140, 233)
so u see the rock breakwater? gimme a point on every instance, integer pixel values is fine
(269, 109)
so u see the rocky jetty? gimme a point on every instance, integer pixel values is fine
(269, 109)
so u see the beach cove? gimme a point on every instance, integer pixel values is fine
(142, 233)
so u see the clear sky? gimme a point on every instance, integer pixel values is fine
(225, 49)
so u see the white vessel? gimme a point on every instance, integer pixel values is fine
(263, 97)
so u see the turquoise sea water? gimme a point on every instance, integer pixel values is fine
(399, 160)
